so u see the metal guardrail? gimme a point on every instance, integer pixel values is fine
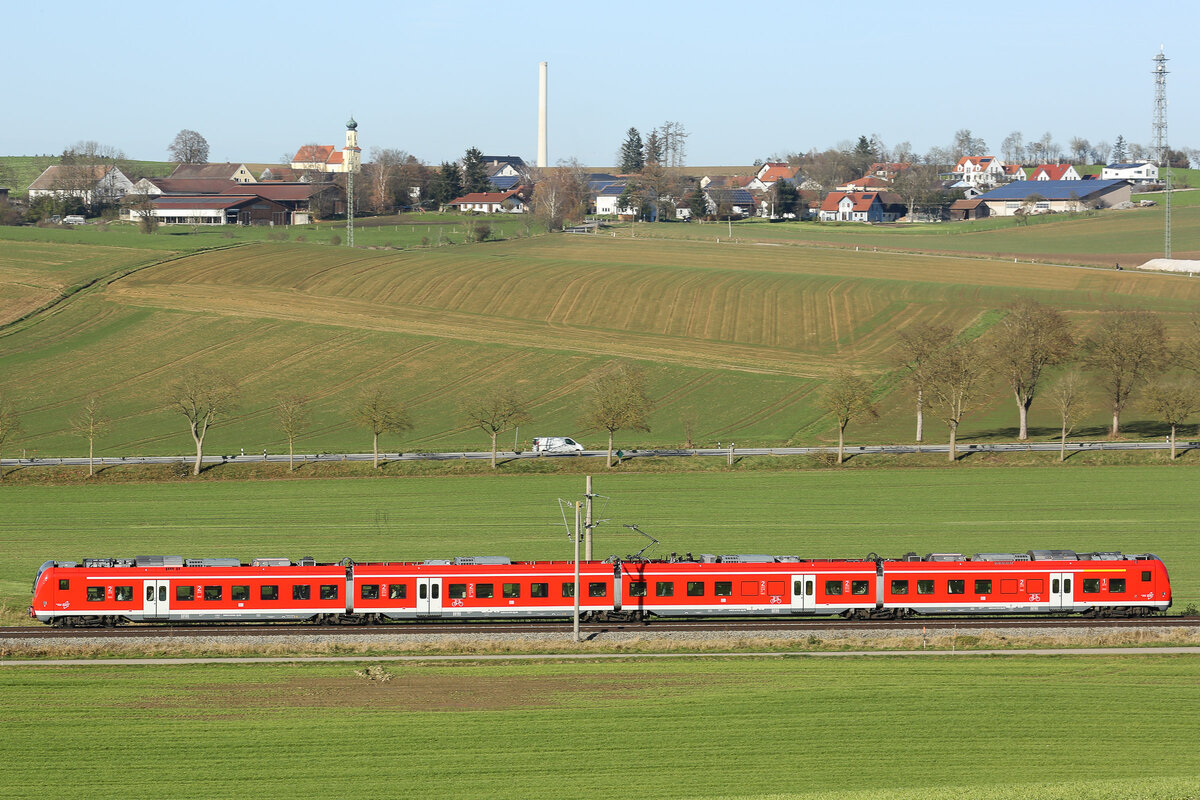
(509, 455)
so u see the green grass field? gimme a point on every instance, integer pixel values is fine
(736, 339)
(1011, 728)
(811, 513)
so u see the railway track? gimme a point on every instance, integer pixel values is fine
(441, 628)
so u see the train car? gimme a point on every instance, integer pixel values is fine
(1036, 581)
(481, 587)
(748, 584)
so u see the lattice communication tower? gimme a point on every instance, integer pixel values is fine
(1161, 152)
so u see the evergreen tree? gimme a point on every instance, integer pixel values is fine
(654, 148)
(697, 204)
(631, 153)
(474, 177)
(863, 155)
(1118, 152)
(446, 185)
(786, 197)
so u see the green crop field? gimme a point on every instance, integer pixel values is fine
(1010, 728)
(736, 339)
(808, 513)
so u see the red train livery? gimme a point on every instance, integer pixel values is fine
(173, 589)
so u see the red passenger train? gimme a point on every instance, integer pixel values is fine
(110, 591)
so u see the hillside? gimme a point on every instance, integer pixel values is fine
(736, 339)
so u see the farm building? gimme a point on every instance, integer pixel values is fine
(734, 202)
(91, 183)
(1047, 197)
(212, 210)
(227, 171)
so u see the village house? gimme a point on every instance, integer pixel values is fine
(227, 171)
(90, 183)
(980, 170)
(1139, 172)
(1054, 172)
(862, 207)
(490, 202)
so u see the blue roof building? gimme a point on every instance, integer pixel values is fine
(1048, 197)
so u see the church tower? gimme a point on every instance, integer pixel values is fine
(351, 154)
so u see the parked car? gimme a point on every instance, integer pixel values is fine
(556, 444)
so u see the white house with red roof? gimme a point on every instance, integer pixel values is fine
(769, 173)
(867, 183)
(861, 207)
(490, 202)
(1055, 172)
(888, 169)
(980, 170)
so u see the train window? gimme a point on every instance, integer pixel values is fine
(485, 590)
(1037, 585)
(1066, 584)
(150, 591)
(268, 592)
(1145, 576)
(899, 587)
(434, 588)
(956, 587)
(456, 591)
(860, 587)
(637, 588)
(539, 590)
(1116, 585)
(597, 590)
(422, 591)
(64, 584)
(1091, 585)
(212, 592)
(983, 587)
(924, 587)
(512, 590)
(240, 593)
(329, 591)
(397, 591)
(185, 593)
(1054, 586)
(664, 589)
(808, 588)
(1008, 586)
(723, 588)
(301, 592)
(833, 587)
(749, 588)
(369, 591)
(695, 589)
(124, 593)
(568, 590)
(162, 593)
(95, 594)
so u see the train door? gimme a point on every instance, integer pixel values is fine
(804, 593)
(1062, 596)
(429, 596)
(156, 603)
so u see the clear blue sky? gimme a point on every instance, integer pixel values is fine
(747, 80)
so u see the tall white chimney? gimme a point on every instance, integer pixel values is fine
(541, 155)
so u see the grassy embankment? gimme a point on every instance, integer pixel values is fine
(808, 513)
(736, 340)
(1006, 728)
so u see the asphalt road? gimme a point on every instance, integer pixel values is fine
(627, 454)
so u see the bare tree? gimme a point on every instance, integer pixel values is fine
(1013, 147)
(144, 207)
(189, 147)
(381, 414)
(203, 398)
(1174, 401)
(292, 413)
(916, 348)
(91, 423)
(956, 371)
(383, 178)
(1068, 397)
(1128, 348)
(560, 194)
(847, 397)
(1030, 338)
(1080, 149)
(10, 425)
(495, 412)
(618, 401)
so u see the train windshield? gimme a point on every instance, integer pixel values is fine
(41, 569)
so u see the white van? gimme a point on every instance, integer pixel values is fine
(74, 219)
(556, 444)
